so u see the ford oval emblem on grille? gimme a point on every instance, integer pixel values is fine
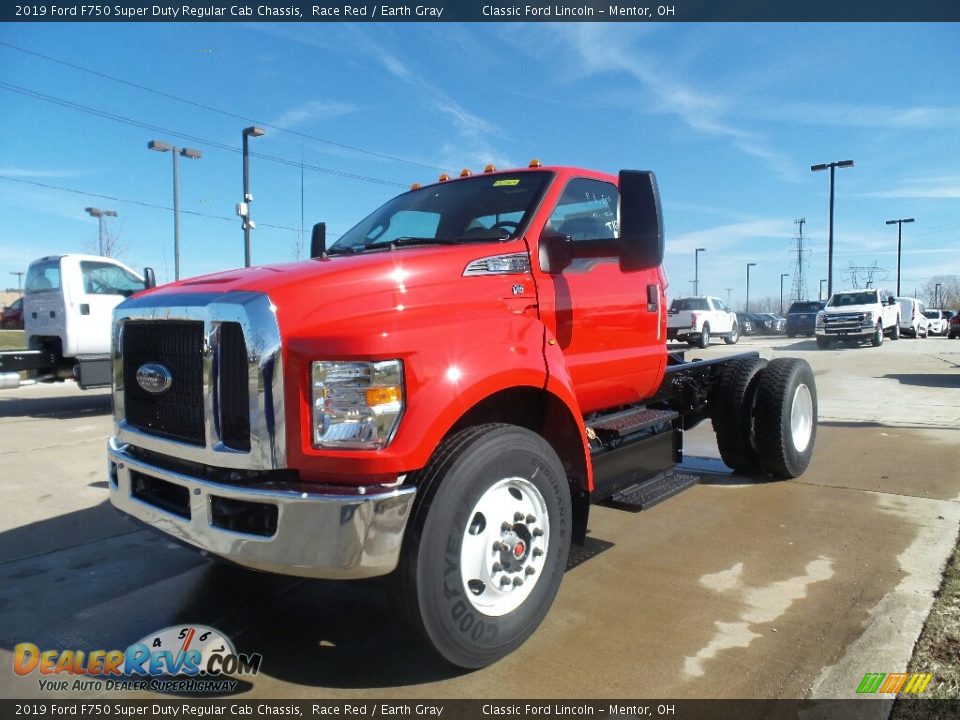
(154, 378)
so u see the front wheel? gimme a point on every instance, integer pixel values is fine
(877, 338)
(487, 544)
(824, 343)
(733, 336)
(704, 339)
(786, 417)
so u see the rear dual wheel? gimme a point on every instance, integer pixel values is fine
(487, 543)
(765, 416)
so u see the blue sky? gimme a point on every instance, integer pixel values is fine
(730, 116)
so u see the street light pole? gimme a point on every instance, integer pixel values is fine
(728, 295)
(696, 270)
(820, 294)
(833, 166)
(747, 304)
(936, 295)
(782, 276)
(100, 214)
(160, 146)
(899, 223)
(243, 209)
(19, 281)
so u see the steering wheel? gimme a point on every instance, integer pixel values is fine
(99, 287)
(509, 225)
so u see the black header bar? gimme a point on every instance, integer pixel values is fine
(480, 11)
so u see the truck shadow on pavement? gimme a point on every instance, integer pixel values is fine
(932, 380)
(93, 579)
(68, 407)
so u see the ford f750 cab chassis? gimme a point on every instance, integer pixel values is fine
(438, 397)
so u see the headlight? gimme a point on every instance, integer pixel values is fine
(356, 405)
(821, 317)
(868, 319)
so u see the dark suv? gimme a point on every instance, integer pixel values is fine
(802, 317)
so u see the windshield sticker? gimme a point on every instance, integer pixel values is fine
(506, 183)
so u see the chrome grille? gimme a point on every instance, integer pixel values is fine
(849, 321)
(225, 405)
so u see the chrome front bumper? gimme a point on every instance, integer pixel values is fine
(317, 532)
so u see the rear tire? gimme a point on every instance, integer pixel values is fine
(487, 543)
(895, 333)
(786, 417)
(732, 413)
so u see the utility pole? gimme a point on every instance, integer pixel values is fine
(20, 281)
(728, 295)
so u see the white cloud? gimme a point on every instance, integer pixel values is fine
(21, 172)
(923, 189)
(310, 111)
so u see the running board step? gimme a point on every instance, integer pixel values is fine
(631, 421)
(650, 492)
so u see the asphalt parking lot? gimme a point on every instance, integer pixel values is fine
(734, 588)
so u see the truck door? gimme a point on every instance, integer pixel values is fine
(611, 338)
(96, 289)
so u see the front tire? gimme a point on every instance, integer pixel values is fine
(733, 336)
(877, 338)
(786, 417)
(487, 544)
(824, 343)
(704, 339)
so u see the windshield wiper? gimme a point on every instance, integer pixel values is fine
(408, 240)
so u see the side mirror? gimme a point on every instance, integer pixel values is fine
(555, 253)
(149, 278)
(318, 241)
(641, 221)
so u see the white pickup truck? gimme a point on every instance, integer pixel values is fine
(867, 314)
(67, 315)
(697, 319)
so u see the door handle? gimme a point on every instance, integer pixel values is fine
(653, 298)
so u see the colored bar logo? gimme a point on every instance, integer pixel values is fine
(908, 683)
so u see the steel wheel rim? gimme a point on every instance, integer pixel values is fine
(504, 547)
(801, 418)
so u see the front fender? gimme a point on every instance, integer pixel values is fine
(447, 371)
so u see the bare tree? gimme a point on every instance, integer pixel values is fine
(112, 246)
(948, 294)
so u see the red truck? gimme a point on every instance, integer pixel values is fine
(438, 397)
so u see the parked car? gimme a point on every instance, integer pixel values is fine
(913, 321)
(954, 331)
(12, 317)
(745, 323)
(802, 317)
(777, 324)
(763, 324)
(938, 323)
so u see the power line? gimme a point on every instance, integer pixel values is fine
(220, 111)
(193, 138)
(142, 203)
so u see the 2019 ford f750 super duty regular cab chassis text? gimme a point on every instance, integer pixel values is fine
(438, 397)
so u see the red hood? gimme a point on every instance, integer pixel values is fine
(317, 297)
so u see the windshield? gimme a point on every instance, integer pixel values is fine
(867, 297)
(804, 307)
(932, 314)
(102, 278)
(482, 208)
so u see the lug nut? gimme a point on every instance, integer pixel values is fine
(506, 527)
(529, 570)
(537, 532)
(537, 552)
(497, 567)
(504, 581)
(517, 582)
(517, 517)
(498, 546)
(531, 519)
